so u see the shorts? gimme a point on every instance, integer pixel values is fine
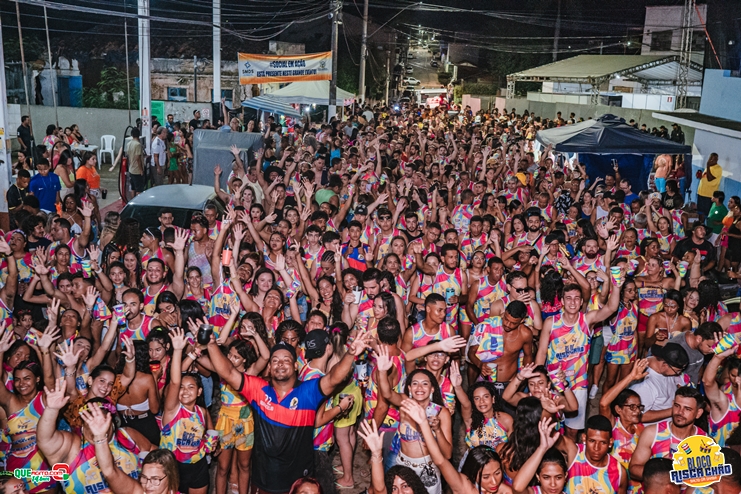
(595, 350)
(137, 182)
(193, 475)
(577, 422)
(236, 427)
(642, 323)
(660, 184)
(146, 424)
(357, 406)
(425, 469)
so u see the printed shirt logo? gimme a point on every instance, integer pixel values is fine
(698, 462)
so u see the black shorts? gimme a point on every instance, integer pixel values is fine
(193, 475)
(137, 182)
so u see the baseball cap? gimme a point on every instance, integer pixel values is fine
(361, 209)
(283, 346)
(673, 354)
(316, 343)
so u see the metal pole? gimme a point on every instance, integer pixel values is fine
(217, 54)
(4, 134)
(128, 77)
(51, 69)
(363, 52)
(23, 63)
(388, 76)
(195, 79)
(145, 82)
(557, 34)
(335, 12)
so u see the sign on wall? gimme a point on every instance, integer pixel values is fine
(258, 69)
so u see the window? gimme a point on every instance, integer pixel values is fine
(227, 94)
(177, 94)
(698, 41)
(661, 40)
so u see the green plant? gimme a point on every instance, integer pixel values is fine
(482, 89)
(112, 82)
(444, 78)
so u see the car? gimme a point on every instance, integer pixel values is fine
(409, 70)
(434, 63)
(182, 199)
(411, 56)
(412, 81)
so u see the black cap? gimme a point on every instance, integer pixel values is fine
(361, 209)
(283, 346)
(673, 354)
(316, 344)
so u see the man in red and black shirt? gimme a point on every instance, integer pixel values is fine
(285, 409)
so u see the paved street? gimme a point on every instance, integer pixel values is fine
(422, 70)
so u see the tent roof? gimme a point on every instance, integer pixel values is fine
(586, 68)
(270, 105)
(607, 134)
(310, 93)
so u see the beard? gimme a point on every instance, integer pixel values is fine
(533, 229)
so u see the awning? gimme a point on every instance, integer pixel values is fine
(311, 93)
(270, 105)
(709, 123)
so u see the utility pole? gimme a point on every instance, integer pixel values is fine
(145, 81)
(363, 52)
(217, 54)
(4, 139)
(685, 54)
(335, 7)
(195, 79)
(52, 79)
(388, 76)
(557, 34)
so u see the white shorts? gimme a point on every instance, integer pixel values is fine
(578, 421)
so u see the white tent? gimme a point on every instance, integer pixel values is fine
(310, 93)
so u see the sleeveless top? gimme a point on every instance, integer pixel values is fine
(445, 282)
(185, 435)
(623, 446)
(489, 434)
(490, 337)
(650, 300)
(84, 472)
(150, 299)
(141, 332)
(371, 393)
(585, 477)
(21, 428)
(622, 345)
(665, 443)
(422, 338)
(323, 435)
(202, 262)
(568, 349)
(488, 294)
(721, 429)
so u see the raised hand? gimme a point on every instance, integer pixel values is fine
(612, 243)
(98, 423)
(38, 266)
(128, 350)
(181, 238)
(217, 170)
(528, 371)
(270, 219)
(452, 344)
(235, 150)
(360, 343)
(6, 340)
(90, 297)
(639, 370)
(94, 253)
(373, 439)
(455, 374)
(52, 311)
(414, 410)
(87, 209)
(179, 341)
(55, 398)
(548, 435)
(383, 362)
(280, 263)
(51, 333)
(68, 357)
(4, 247)
(549, 404)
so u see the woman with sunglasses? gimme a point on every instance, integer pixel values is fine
(622, 406)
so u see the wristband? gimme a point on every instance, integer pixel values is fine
(131, 360)
(340, 407)
(100, 441)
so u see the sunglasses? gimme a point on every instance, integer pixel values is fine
(522, 290)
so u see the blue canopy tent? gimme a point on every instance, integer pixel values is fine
(608, 138)
(271, 105)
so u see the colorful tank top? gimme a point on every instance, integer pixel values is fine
(21, 429)
(6, 315)
(204, 300)
(470, 244)
(587, 478)
(721, 429)
(150, 298)
(490, 337)
(402, 288)
(677, 223)
(488, 294)
(643, 234)
(324, 435)
(461, 217)
(185, 435)
(449, 283)
(516, 240)
(371, 393)
(446, 389)
(665, 242)
(528, 321)
(84, 473)
(582, 264)
(491, 434)
(218, 309)
(623, 446)
(735, 326)
(158, 254)
(407, 433)
(568, 350)
(365, 312)
(421, 338)
(309, 258)
(628, 253)
(650, 299)
(518, 194)
(622, 345)
(665, 443)
(425, 288)
(230, 398)
(140, 333)
(384, 244)
(202, 262)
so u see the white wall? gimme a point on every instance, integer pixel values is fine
(729, 158)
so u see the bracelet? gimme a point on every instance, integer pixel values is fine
(131, 360)
(377, 458)
(519, 378)
(340, 407)
(100, 441)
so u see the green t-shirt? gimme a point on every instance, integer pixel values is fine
(715, 217)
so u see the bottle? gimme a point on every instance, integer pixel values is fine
(361, 370)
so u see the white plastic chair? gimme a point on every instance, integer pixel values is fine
(107, 145)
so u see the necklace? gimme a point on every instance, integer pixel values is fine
(676, 316)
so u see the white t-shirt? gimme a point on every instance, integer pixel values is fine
(656, 390)
(159, 152)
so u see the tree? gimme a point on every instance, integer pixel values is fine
(110, 92)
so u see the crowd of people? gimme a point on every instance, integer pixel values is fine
(427, 291)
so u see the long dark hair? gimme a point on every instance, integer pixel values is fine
(551, 286)
(476, 460)
(335, 314)
(525, 437)
(34, 368)
(477, 418)
(407, 475)
(127, 235)
(258, 323)
(437, 396)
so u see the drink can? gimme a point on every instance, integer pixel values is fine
(361, 371)
(431, 411)
(725, 343)
(559, 385)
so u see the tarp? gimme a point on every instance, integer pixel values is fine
(310, 93)
(211, 148)
(607, 134)
(609, 138)
(270, 105)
